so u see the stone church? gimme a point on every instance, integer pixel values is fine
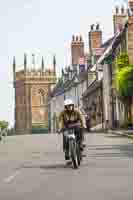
(32, 87)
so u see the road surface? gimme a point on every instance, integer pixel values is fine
(32, 167)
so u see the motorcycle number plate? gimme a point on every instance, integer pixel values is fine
(71, 136)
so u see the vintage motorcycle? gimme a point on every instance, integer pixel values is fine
(73, 142)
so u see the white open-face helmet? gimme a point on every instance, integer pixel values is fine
(68, 102)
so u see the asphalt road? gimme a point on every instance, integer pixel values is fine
(32, 167)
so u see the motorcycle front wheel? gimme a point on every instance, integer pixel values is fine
(73, 151)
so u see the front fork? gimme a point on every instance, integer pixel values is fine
(66, 144)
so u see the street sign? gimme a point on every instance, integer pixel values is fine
(92, 75)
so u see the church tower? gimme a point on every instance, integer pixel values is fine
(31, 96)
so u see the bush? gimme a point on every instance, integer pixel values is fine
(124, 76)
(4, 124)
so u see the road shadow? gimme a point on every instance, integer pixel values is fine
(60, 166)
(57, 166)
(115, 136)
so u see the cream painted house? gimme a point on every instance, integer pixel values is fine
(71, 85)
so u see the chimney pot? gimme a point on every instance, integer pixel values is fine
(80, 38)
(97, 27)
(92, 27)
(73, 38)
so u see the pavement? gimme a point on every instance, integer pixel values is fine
(124, 132)
(32, 167)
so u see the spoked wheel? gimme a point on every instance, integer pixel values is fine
(79, 154)
(73, 151)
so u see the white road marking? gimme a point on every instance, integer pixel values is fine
(10, 178)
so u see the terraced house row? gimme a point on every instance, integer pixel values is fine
(90, 79)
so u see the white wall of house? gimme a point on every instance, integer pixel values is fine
(120, 111)
(56, 106)
(82, 89)
(57, 102)
(106, 92)
(70, 94)
(118, 106)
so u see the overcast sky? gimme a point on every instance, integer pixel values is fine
(44, 27)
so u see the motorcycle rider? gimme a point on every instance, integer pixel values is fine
(70, 116)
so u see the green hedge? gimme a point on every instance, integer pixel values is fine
(39, 129)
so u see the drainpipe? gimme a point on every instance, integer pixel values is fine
(102, 107)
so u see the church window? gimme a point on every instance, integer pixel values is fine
(41, 96)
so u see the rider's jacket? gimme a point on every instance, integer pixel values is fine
(65, 118)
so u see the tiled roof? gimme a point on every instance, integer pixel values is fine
(106, 46)
(69, 83)
(62, 87)
(83, 76)
(115, 42)
(57, 89)
(107, 43)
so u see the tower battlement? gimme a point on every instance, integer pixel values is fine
(34, 73)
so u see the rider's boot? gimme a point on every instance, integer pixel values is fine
(67, 157)
(82, 146)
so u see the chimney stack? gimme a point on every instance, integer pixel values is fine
(119, 18)
(95, 37)
(77, 49)
(130, 4)
(130, 31)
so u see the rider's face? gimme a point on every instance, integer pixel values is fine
(69, 107)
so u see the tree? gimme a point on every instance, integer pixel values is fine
(4, 124)
(124, 83)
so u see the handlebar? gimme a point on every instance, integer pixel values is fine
(74, 125)
(70, 126)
